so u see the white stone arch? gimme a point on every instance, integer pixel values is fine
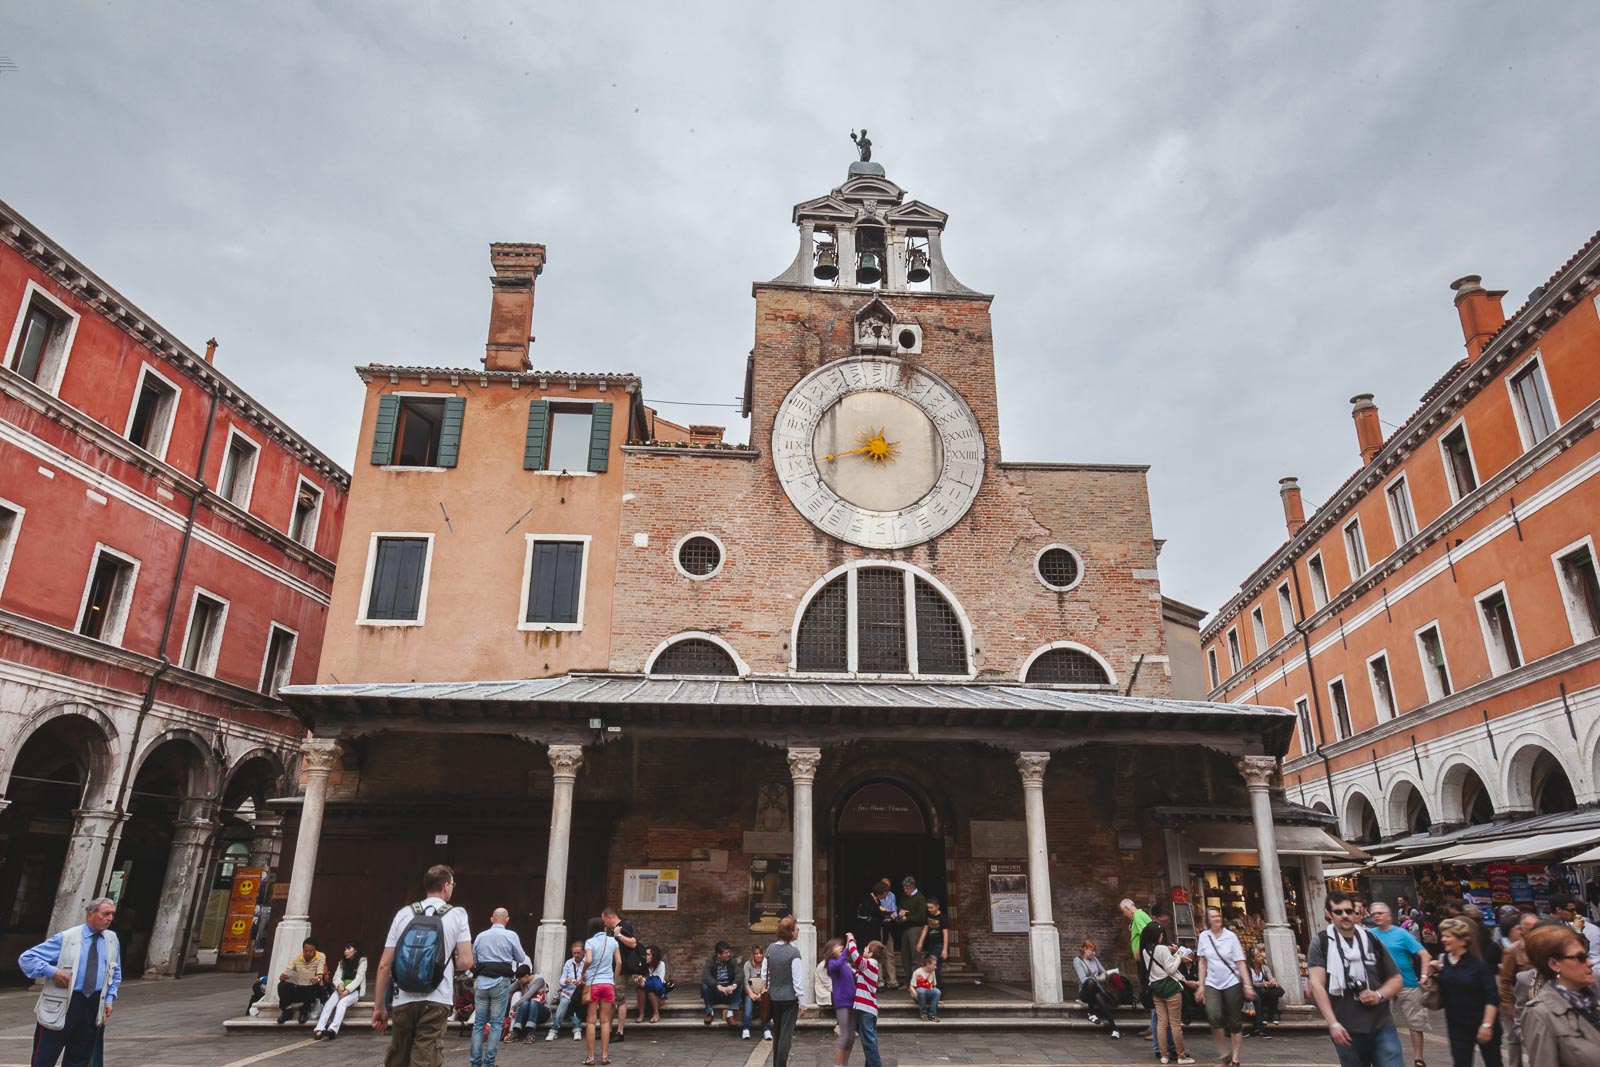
(1516, 784)
(1591, 744)
(1105, 664)
(739, 664)
(206, 766)
(1403, 785)
(1349, 823)
(102, 755)
(890, 564)
(1321, 804)
(1447, 792)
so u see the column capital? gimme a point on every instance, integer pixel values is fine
(1257, 771)
(566, 760)
(1031, 765)
(318, 756)
(803, 763)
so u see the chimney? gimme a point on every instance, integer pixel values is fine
(1369, 434)
(1294, 512)
(511, 312)
(706, 435)
(211, 350)
(1480, 311)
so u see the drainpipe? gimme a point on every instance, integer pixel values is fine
(165, 663)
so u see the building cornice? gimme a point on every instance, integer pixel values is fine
(692, 453)
(868, 294)
(1108, 468)
(40, 250)
(538, 379)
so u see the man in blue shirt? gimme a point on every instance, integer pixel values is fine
(83, 966)
(1411, 958)
(495, 953)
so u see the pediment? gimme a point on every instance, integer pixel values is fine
(827, 208)
(916, 211)
(875, 325)
(866, 187)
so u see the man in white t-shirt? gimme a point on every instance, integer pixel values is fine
(1224, 984)
(420, 1018)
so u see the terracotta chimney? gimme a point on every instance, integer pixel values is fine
(1294, 511)
(1480, 311)
(1369, 434)
(211, 350)
(511, 312)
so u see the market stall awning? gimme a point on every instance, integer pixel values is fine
(1530, 846)
(1292, 840)
(1591, 856)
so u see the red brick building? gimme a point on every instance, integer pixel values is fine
(167, 550)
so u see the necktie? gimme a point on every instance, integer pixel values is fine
(91, 967)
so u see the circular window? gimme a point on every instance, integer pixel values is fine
(1058, 567)
(699, 556)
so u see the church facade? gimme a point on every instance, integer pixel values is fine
(591, 660)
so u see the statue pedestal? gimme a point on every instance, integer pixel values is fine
(859, 169)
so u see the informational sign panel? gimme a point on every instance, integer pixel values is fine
(650, 889)
(1008, 898)
(241, 915)
(771, 893)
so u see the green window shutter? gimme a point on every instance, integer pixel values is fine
(383, 433)
(538, 431)
(600, 438)
(455, 411)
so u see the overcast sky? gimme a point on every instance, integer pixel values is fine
(1206, 225)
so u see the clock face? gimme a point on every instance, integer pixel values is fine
(877, 453)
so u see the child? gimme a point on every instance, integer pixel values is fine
(935, 939)
(868, 967)
(566, 994)
(925, 987)
(842, 996)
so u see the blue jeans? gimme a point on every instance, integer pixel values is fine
(867, 1030)
(750, 1004)
(530, 1013)
(489, 1006)
(1381, 1049)
(928, 1001)
(566, 1009)
(712, 998)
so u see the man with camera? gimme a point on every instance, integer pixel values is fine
(1353, 981)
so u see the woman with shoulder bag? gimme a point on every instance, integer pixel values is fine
(1561, 1024)
(602, 960)
(1465, 986)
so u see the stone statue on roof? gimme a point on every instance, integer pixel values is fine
(863, 145)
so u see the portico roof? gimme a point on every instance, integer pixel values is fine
(782, 708)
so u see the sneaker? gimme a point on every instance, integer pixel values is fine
(1162, 1059)
(332, 1034)
(551, 1036)
(922, 1016)
(727, 1017)
(577, 1035)
(744, 1036)
(619, 1037)
(766, 1035)
(1093, 1018)
(1186, 1058)
(1116, 1035)
(285, 1015)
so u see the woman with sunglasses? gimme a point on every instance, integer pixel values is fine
(1471, 997)
(1561, 1024)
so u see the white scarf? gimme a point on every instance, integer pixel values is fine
(1343, 968)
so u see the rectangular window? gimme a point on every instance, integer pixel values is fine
(307, 509)
(1536, 417)
(238, 470)
(203, 640)
(565, 437)
(155, 402)
(419, 430)
(1575, 569)
(1499, 635)
(104, 613)
(41, 339)
(1308, 739)
(1458, 467)
(10, 530)
(1258, 626)
(569, 438)
(1382, 686)
(881, 621)
(397, 579)
(1355, 547)
(1211, 662)
(553, 590)
(1235, 657)
(1401, 516)
(1286, 607)
(1341, 708)
(1435, 671)
(279, 664)
(1319, 581)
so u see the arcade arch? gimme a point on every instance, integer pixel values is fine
(1361, 819)
(1464, 799)
(1537, 780)
(1408, 808)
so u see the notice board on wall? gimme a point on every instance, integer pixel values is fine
(650, 889)
(1008, 898)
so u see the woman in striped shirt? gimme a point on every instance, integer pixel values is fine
(868, 967)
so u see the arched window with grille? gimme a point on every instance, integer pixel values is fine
(881, 619)
(695, 655)
(1065, 663)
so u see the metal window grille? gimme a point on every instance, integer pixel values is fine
(1068, 666)
(699, 556)
(695, 655)
(1058, 568)
(821, 644)
(941, 646)
(881, 621)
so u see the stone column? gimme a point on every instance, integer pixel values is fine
(550, 943)
(317, 759)
(185, 864)
(1258, 772)
(803, 770)
(94, 834)
(1044, 940)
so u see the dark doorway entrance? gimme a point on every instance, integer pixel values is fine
(881, 832)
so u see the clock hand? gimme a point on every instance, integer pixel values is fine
(852, 452)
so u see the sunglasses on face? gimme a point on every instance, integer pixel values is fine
(1575, 956)
(1343, 911)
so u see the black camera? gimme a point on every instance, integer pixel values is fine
(1354, 987)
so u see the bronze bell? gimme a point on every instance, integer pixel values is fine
(827, 268)
(917, 266)
(869, 268)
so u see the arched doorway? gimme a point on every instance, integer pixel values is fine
(1361, 821)
(1408, 811)
(1552, 789)
(882, 830)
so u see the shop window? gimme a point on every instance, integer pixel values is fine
(1319, 581)
(1435, 671)
(902, 624)
(1401, 515)
(1258, 626)
(695, 656)
(1382, 686)
(1235, 656)
(1458, 466)
(1355, 548)
(279, 664)
(1499, 635)
(238, 470)
(1536, 417)
(397, 579)
(1341, 708)
(42, 339)
(1067, 666)
(1286, 607)
(155, 402)
(1580, 590)
(107, 598)
(307, 509)
(567, 437)
(1308, 738)
(203, 639)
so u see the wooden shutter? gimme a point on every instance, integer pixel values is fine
(383, 432)
(455, 411)
(556, 582)
(600, 438)
(538, 432)
(397, 579)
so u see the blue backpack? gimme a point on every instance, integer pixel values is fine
(421, 954)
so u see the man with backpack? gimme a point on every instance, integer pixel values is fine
(428, 942)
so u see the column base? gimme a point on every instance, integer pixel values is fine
(1285, 959)
(287, 940)
(806, 942)
(550, 949)
(1044, 957)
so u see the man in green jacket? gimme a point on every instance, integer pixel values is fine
(1138, 919)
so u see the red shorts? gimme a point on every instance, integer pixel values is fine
(603, 993)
